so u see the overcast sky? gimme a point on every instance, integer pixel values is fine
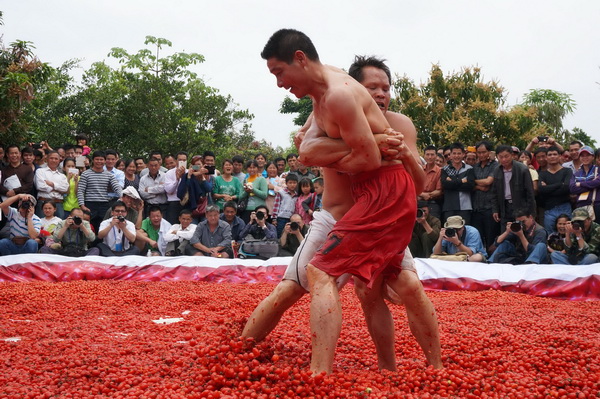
(522, 44)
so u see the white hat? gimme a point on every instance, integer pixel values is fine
(131, 192)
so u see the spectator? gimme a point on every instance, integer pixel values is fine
(292, 162)
(92, 189)
(458, 237)
(238, 166)
(51, 185)
(541, 158)
(523, 241)
(554, 189)
(303, 172)
(172, 180)
(179, 235)
(24, 225)
(72, 173)
(22, 182)
(582, 241)
(585, 182)
(482, 217)
(132, 179)
(120, 165)
(111, 160)
(426, 232)
(255, 190)
(316, 170)
(471, 158)
(195, 188)
(432, 193)
(575, 163)
(151, 237)
(556, 240)
(259, 227)
(306, 188)
(82, 141)
(135, 207)
(140, 164)
(28, 158)
(293, 234)
(314, 202)
(285, 203)
(72, 237)
(280, 164)
(117, 234)
(512, 187)
(158, 155)
(226, 187)
(440, 161)
(152, 187)
(274, 184)
(525, 158)
(229, 215)
(50, 220)
(261, 161)
(458, 181)
(170, 162)
(208, 159)
(542, 142)
(212, 237)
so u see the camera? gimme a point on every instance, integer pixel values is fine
(577, 224)
(76, 220)
(420, 213)
(516, 226)
(121, 219)
(260, 215)
(450, 232)
(294, 226)
(26, 204)
(555, 242)
(542, 139)
(210, 169)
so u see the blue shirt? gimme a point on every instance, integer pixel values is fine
(470, 238)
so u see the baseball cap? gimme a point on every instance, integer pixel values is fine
(454, 222)
(580, 214)
(588, 149)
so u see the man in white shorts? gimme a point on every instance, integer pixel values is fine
(337, 199)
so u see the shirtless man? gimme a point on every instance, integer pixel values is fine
(421, 314)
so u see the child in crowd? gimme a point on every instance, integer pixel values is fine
(313, 202)
(82, 140)
(72, 173)
(49, 223)
(305, 189)
(285, 202)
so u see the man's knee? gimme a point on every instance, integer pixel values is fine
(317, 278)
(406, 285)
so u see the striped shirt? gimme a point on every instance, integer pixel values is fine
(93, 186)
(18, 224)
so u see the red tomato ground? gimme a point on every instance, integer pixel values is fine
(97, 339)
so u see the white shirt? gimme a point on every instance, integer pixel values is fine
(61, 184)
(180, 234)
(115, 235)
(156, 189)
(171, 184)
(120, 176)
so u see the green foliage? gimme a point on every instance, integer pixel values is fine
(21, 73)
(302, 107)
(152, 101)
(579, 134)
(461, 106)
(552, 106)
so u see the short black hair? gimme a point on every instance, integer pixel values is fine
(99, 154)
(457, 145)
(118, 203)
(238, 159)
(208, 154)
(230, 204)
(503, 148)
(154, 208)
(488, 146)
(361, 61)
(278, 159)
(291, 155)
(110, 151)
(185, 212)
(430, 148)
(284, 43)
(291, 177)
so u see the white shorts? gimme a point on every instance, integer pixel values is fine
(320, 227)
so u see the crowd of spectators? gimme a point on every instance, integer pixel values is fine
(480, 203)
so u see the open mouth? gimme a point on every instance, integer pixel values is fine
(380, 105)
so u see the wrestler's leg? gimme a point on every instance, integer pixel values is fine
(379, 321)
(420, 312)
(325, 319)
(268, 313)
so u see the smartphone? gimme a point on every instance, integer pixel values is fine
(182, 164)
(74, 171)
(80, 162)
(195, 167)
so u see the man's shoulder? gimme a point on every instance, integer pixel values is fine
(400, 122)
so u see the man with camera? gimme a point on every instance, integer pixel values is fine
(293, 234)
(425, 232)
(212, 237)
(74, 234)
(24, 225)
(259, 227)
(118, 233)
(582, 241)
(456, 237)
(523, 241)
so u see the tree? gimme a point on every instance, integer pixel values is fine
(461, 107)
(579, 134)
(150, 102)
(552, 106)
(302, 107)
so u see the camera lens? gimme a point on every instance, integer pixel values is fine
(121, 218)
(26, 204)
(516, 226)
(577, 225)
(420, 213)
(260, 215)
(450, 232)
(294, 226)
(76, 220)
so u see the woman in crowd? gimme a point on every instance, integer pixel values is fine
(556, 241)
(227, 187)
(255, 190)
(261, 161)
(195, 189)
(273, 183)
(585, 182)
(132, 179)
(72, 173)
(120, 164)
(526, 158)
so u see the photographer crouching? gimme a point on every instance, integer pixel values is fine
(523, 241)
(457, 238)
(293, 234)
(582, 241)
(72, 237)
(24, 225)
